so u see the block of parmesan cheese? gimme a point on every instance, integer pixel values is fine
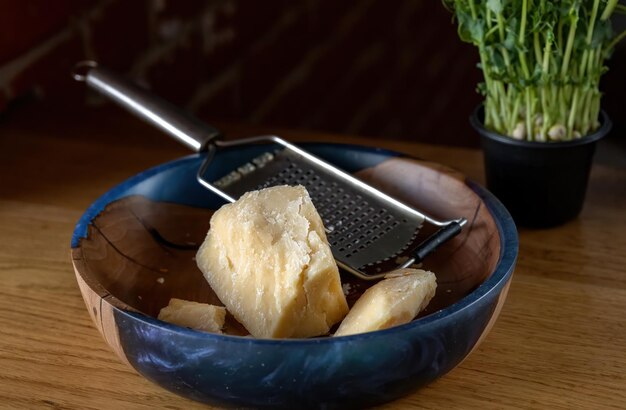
(393, 301)
(199, 316)
(267, 258)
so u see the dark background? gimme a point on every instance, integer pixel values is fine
(385, 69)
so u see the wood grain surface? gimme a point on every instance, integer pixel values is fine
(560, 341)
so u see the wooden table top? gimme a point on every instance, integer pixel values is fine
(560, 341)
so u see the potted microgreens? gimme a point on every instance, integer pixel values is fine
(541, 117)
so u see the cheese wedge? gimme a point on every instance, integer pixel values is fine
(267, 258)
(199, 316)
(393, 301)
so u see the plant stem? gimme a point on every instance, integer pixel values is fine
(560, 37)
(608, 10)
(503, 50)
(570, 44)
(501, 27)
(546, 114)
(491, 114)
(472, 9)
(572, 114)
(592, 22)
(537, 46)
(521, 54)
(522, 27)
(503, 99)
(514, 112)
(583, 64)
(529, 120)
(545, 66)
(584, 123)
(616, 40)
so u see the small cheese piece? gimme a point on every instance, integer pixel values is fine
(267, 258)
(393, 301)
(199, 316)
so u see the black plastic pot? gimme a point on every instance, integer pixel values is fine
(542, 184)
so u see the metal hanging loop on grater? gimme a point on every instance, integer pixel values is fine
(370, 233)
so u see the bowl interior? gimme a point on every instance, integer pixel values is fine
(138, 242)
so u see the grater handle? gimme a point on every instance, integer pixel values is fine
(179, 124)
(442, 235)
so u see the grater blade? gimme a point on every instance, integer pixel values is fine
(369, 233)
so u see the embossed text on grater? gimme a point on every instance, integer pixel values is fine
(362, 229)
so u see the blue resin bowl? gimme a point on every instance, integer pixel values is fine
(124, 288)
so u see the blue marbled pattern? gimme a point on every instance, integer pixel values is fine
(346, 372)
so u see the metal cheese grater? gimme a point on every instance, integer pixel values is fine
(370, 233)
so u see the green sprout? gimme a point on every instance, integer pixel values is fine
(542, 62)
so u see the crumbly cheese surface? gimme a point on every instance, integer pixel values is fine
(199, 316)
(267, 258)
(393, 301)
